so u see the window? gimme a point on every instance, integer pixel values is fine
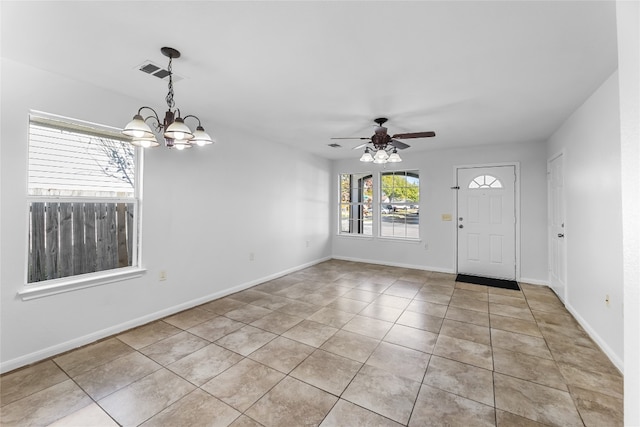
(356, 200)
(399, 204)
(83, 199)
(485, 181)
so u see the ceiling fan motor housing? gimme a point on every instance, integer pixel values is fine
(380, 138)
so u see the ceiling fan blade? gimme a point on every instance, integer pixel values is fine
(398, 144)
(414, 135)
(355, 137)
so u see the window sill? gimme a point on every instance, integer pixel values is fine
(401, 239)
(355, 236)
(68, 284)
(383, 238)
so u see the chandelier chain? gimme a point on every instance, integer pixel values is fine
(170, 102)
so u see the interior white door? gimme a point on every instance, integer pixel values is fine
(557, 248)
(487, 221)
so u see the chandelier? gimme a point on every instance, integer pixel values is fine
(175, 132)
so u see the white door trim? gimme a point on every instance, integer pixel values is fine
(561, 154)
(454, 196)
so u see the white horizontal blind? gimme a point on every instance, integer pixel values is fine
(67, 160)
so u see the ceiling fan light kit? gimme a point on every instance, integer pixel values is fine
(174, 130)
(385, 146)
(394, 157)
(366, 156)
(381, 156)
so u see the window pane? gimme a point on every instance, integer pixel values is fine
(345, 188)
(356, 203)
(67, 163)
(66, 239)
(344, 218)
(367, 227)
(413, 231)
(485, 181)
(399, 204)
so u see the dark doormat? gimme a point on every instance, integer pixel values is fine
(496, 283)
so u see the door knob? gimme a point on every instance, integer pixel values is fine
(461, 226)
(560, 235)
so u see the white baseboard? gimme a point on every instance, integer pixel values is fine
(396, 264)
(54, 350)
(617, 361)
(533, 281)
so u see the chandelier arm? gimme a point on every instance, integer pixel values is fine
(155, 115)
(191, 115)
(158, 124)
(155, 122)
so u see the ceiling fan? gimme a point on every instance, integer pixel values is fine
(386, 146)
(381, 140)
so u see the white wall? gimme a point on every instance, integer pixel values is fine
(628, 20)
(204, 212)
(590, 140)
(437, 198)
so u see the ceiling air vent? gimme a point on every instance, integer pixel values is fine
(152, 69)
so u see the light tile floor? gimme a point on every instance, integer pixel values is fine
(336, 344)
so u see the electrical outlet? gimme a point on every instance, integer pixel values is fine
(308, 243)
(162, 276)
(252, 256)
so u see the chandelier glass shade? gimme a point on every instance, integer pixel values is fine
(145, 142)
(383, 154)
(173, 128)
(394, 157)
(366, 156)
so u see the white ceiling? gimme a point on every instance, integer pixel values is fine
(299, 73)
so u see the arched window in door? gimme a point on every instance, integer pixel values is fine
(485, 181)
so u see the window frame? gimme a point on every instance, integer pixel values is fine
(46, 287)
(376, 215)
(414, 173)
(356, 206)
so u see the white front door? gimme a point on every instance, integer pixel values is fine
(557, 254)
(487, 221)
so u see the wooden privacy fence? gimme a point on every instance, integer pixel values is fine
(66, 239)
